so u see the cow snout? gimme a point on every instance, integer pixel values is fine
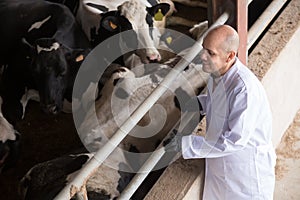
(154, 57)
(148, 55)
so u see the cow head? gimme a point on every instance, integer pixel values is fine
(112, 23)
(131, 15)
(148, 36)
(53, 68)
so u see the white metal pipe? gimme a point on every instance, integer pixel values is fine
(151, 162)
(263, 21)
(249, 1)
(79, 181)
(140, 176)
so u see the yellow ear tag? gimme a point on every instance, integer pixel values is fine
(158, 16)
(79, 58)
(169, 40)
(112, 25)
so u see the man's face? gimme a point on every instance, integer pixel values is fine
(214, 59)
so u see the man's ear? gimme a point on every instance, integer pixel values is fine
(231, 56)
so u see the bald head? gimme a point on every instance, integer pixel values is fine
(220, 47)
(225, 37)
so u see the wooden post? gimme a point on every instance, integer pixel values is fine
(238, 19)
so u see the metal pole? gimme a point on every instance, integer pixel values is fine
(150, 163)
(249, 1)
(242, 28)
(263, 21)
(140, 176)
(79, 181)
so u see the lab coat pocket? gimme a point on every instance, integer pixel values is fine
(265, 164)
(240, 174)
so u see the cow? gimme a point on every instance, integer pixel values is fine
(45, 180)
(102, 18)
(44, 47)
(123, 93)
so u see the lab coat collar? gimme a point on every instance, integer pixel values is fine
(232, 70)
(227, 76)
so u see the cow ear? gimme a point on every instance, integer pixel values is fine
(74, 58)
(77, 55)
(110, 23)
(158, 11)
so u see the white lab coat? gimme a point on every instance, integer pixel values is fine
(240, 158)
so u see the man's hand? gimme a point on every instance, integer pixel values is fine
(173, 143)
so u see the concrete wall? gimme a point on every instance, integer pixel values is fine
(282, 84)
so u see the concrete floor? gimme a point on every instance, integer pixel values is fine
(288, 163)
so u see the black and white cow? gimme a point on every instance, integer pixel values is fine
(45, 180)
(43, 47)
(102, 18)
(123, 93)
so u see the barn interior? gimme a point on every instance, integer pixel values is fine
(46, 137)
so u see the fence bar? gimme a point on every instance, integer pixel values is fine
(78, 183)
(159, 152)
(249, 1)
(263, 21)
(151, 162)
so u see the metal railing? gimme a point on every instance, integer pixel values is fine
(77, 185)
(159, 152)
(263, 21)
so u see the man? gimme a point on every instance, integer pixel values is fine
(240, 158)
